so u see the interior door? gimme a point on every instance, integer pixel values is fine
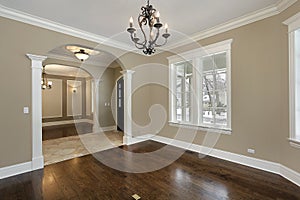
(120, 104)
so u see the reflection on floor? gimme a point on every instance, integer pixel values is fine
(66, 148)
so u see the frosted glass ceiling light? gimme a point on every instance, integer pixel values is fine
(82, 55)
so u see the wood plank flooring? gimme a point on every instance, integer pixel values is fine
(187, 178)
(66, 130)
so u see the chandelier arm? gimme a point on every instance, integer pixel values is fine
(155, 39)
(159, 45)
(141, 27)
(141, 47)
(135, 42)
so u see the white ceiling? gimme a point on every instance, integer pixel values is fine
(110, 18)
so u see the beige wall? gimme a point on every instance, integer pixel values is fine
(52, 100)
(18, 39)
(259, 91)
(259, 88)
(74, 98)
(106, 89)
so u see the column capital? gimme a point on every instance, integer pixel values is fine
(127, 72)
(36, 57)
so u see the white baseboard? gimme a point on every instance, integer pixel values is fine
(264, 165)
(108, 128)
(13, 170)
(290, 174)
(129, 140)
(268, 166)
(37, 163)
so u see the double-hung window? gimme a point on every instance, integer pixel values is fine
(294, 77)
(200, 87)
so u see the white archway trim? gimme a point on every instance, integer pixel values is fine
(37, 161)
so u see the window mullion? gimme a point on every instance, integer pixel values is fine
(199, 89)
(214, 91)
(183, 111)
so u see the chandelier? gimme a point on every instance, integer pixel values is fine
(45, 83)
(149, 16)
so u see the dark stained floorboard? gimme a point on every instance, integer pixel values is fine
(189, 177)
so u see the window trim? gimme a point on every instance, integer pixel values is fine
(195, 55)
(293, 24)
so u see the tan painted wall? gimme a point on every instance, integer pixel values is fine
(106, 87)
(74, 98)
(52, 100)
(259, 88)
(259, 91)
(17, 39)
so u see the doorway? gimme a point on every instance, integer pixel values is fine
(120, 104)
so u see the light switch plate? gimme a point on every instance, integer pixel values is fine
(25, 110)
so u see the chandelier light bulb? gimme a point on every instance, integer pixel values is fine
(166, 27)
(130, 22)
(151, 35)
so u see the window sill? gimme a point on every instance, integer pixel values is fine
(294, 142)
(226, 131)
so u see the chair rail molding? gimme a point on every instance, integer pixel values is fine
(37, 161)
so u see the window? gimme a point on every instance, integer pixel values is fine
(200, 87)
(184, 71)
(294, 76)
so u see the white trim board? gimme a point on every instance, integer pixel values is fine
(17, 169)
(108, 128)
(264, 165)
(232, 24)
(236, 23)
(61, 28)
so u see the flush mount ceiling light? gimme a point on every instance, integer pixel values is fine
(151, 17)
(82, 53)
(45, 83)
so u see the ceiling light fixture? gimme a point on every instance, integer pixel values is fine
(45, 83)
(81, 55)
(151, 17)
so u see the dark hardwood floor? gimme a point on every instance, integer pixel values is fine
(65, 130)
(187, 178)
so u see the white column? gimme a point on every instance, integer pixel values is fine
(127, 74)
(96, 125)
(36, 103)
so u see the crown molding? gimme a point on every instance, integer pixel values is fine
(236, 23)
(57, 27)
(232, 24)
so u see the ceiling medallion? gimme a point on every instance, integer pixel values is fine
(148, 19)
